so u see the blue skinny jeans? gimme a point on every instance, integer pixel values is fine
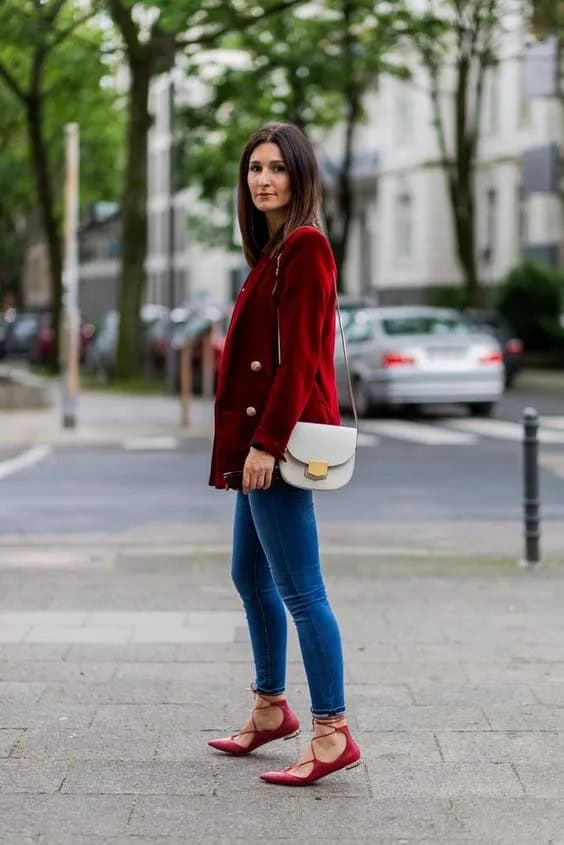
(275, 563)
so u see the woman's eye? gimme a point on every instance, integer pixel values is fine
(280, 168)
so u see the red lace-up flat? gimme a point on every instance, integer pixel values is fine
(288, 728)
(349, 759)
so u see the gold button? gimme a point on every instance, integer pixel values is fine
(251, 412)
(256, 366)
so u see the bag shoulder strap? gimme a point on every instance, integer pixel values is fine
(349, 381)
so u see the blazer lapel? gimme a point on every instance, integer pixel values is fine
(250, 284)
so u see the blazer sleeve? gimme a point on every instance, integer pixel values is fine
(306, 286)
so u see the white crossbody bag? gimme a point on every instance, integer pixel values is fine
(319, 456)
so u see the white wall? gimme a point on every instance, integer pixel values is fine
(400, 128)
(200, 271)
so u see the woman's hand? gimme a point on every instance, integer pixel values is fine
(257, 472)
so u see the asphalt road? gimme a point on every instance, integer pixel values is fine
(407, 469)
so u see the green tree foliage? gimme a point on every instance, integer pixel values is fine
(531, 298)
(15, 190)
(151, 35)
(548, 17)
(51, 73)
(311, 70)
(457, 43)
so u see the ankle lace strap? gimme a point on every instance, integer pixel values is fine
(269, 703)
(329, 720)
(331, 723)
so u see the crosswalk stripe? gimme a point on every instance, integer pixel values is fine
(367, 439)
(553, 463)
(552, 422)
(149, 443)
(26, 459)
(503, 430)
(431, 435)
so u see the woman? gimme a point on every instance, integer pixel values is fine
(259, 400)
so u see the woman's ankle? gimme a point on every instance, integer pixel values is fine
(263, 700)
(321, 723)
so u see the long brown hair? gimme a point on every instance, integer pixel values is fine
(305, 185)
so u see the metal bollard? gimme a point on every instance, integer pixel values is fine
(531, 487)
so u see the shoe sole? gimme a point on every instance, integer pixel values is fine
(244, 751)
(291, 785)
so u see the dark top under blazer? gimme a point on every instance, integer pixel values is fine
(256, 399)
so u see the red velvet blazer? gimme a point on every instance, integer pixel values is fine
(256, 399)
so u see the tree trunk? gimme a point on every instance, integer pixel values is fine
(40, 164)
(134, 220)
(460, 170)
(345, 187)
(465, 230)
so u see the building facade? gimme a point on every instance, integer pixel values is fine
(402, 240)
(179, 268)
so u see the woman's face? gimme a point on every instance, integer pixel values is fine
(268, 179)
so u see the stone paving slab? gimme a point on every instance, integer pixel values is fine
(528, 672)
(539, 717)
(501, 746)
(133, 743)
(59, 815)
(56, 670)
(405, 673)
(8, 738)
(472, 694)
(27, 776)
(142, 778)
(14, 715)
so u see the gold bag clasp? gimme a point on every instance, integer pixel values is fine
(317, 470)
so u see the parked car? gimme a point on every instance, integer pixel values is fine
(349, 304)
(512, 347)
(410, 355)
(100, 356)
(41, 348)
(3, 333)
(21, 331)
(195, 325)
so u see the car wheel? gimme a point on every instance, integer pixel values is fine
(362, 398)
(481, 409)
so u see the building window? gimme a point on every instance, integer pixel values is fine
(404, 117)
(493, 116)
(522, 218)
(491, 225)
(524, 110)
(404, 225)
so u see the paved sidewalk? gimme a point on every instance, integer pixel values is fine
(119, 660)
(541, 381)
(104, 417)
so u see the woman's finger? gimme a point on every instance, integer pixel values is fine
(267, 479)
(246, 480)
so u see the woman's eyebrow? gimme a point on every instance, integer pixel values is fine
(274, 161)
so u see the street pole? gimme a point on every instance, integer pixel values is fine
(71, 317)
(531, 509)
(170, 363)
(171, 186)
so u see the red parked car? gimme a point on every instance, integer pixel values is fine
(41, 349)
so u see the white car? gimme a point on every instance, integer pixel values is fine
(415, 355)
